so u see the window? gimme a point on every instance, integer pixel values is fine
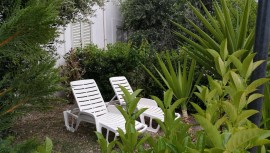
(81, 34)
(121, 34)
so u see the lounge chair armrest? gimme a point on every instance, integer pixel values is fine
(147, 102)
(113, 109)
(177, 115)
(86, 113)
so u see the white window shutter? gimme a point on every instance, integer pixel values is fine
(81, 34)
(86, 34)
(76, 35)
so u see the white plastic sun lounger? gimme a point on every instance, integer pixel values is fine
(92, 109)
(153, 110)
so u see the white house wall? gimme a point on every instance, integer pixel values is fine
(113, 20)
(98, 28)
(63, 48)
(103, 29)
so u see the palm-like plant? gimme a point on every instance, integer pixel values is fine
(181, 81)
(218, 27)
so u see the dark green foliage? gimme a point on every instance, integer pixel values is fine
(6, 146)
(27, 73)
(69, 10)
(150, 19)
(101, 65)
(28, 146)
(77, 9)
(119, 60)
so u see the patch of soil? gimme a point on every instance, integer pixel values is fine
(41, 124)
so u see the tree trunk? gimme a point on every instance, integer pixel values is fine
(184, 113)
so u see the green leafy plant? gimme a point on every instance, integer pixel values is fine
(176, 138)
(32, 145)
(225, 120)
(179, 80)
(169, 124)
(265, 123)
(71, 71)
(218, 27)
(130, 140)
(46, 147)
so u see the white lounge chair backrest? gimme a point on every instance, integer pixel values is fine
(120, 80)
(88, 97)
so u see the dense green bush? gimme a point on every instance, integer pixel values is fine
(120, 59)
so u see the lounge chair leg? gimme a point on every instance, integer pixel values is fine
(107, 135)
(150, 127)
(66, 115)
(150, 124)
(77, 123)
(115, 136)
(142, 119)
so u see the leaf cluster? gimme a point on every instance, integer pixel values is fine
(225, 119)
(180, 79)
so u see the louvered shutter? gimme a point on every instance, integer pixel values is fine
(81, 34)
(86, 34)
(76, 35)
